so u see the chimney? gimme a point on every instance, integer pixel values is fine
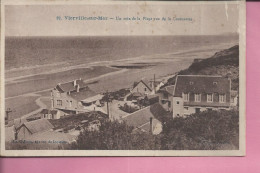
(154, 84)
(74, 83)
(77, 87)
(151, 125)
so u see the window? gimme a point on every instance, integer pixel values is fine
(186, 97)
(70, 103)
(209, 97)
(144, 89)
(197, 97)
(177, 102)
(209, 109)
(191, 83)
(215, 83)
(59, 102)
(222, 98)
(169, 104)
(186, 108)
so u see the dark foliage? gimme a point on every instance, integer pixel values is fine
(210, 130)
(115, 136)
(213, 130)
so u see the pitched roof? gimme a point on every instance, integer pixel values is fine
(201, 84)
(82, 94)
(69, 86)
(141, 117)
(36, 126)
(168, 89)
(146, 83)
(47, 111)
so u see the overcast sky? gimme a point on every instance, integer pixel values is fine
(40, 20)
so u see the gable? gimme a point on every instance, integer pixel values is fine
(140, 84)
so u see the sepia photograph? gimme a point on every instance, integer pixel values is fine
(123, 79)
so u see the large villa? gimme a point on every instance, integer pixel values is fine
(196, 93)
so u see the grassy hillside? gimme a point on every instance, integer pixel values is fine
(224, 63)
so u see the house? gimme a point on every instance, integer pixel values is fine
(166, 97)
(142, 87)
(146, 119)
(33, 127)
(74, 97)
(195, 93)
(145, 87)
(50, 114)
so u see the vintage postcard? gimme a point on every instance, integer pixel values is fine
(123, 78)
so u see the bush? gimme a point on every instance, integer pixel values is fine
(205, 130)
(116, 136)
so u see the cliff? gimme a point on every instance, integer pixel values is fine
(224, 63)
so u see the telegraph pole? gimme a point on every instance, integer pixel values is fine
(8, 110)
(107, 100)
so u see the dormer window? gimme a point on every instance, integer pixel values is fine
(197, 97)
(209, 97)
(191, 83)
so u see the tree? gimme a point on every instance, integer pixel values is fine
(114, 135)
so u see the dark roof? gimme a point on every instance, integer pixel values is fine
(47, 111)
(201, 84)
(143, 116)
(69, 86)
(146, 83)
(83, 94)
(167, 89)
(36, 126)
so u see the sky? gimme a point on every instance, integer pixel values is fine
(41, 20)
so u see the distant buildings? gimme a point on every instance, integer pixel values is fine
(74, 97)
(196, 93)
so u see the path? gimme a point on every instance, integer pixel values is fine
(41, 106)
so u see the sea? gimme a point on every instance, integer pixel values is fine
(36, 55)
